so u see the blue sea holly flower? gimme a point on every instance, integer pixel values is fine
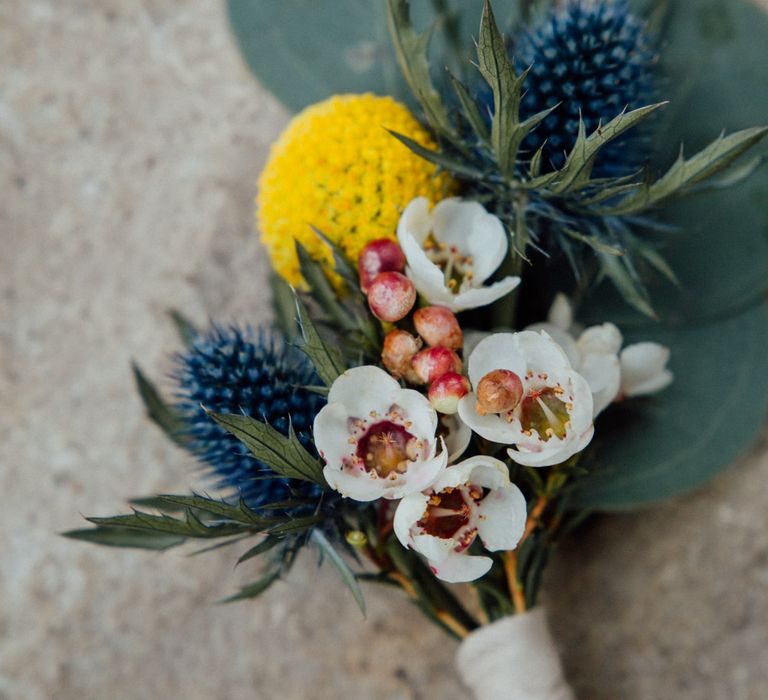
(235, 370)
(589, 57)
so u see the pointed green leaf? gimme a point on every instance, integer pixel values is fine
(578, 166)
(470, 110)
(457, 167)
(328, 361)
(255, 589)
(633, 291)
(347, 576)
(296, 525)
(284, 455)
(411, 51)
(684, 173)
(283, 305)
(239, 513)
(190, 526)
(499, 72)
(262, 547)
(124, 537)
(184, 327)
(163, 415)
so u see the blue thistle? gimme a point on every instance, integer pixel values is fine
(592, 57)
(233, 370)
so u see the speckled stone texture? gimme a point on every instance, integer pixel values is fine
(131, 138)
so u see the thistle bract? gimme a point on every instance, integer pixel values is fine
(234, 370)
(592, 58)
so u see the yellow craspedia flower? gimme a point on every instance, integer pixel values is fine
(337, 168)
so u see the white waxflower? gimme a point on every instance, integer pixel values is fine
(527, 395)
(474, 498)
(644, 369)
(377, 439)
(452, 250)
(640, 368)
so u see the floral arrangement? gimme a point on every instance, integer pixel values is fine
(427, 409)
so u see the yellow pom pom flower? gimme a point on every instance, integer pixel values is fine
(337, 168)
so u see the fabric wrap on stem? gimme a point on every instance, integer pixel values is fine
(513, 659)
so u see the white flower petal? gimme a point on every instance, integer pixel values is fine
(490, 426)
(454, 219)
(542, 353)
(364, 389)
(562, 338)
(503, 513)
(359, 487)
(330, 434)
(436, 549)
(488, 246)
(497, 351)
(561, 313)
(416, 220)
(421, 475)
(460, 568)
(603, 374)
(604, 339)
(458, 438)
(643, 369)
(409, 511)
(419, 412)
(482, 296)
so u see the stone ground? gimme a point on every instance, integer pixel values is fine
(131, 137)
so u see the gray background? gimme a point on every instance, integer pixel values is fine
(131, 139)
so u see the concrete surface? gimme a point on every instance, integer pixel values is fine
(131, 137)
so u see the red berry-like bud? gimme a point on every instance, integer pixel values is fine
(498, 392)
(446, 391)
(391, 296)
(399, 348)
(438, 326)
(432, 363)
(381, 255)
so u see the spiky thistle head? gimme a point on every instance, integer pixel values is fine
(592, 58)
(239, 370)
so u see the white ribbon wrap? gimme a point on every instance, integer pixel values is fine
(513, 659)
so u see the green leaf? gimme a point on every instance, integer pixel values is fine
(684, 173)
(190, 526)
(499, 72)
(163, 415)
(184, 327)
(284, 455)
(262, 547)
(239, 513)
(578, 166)
(347, 576)
(328, 361)
(255, 589)
(470, 110)
(632, 289)
(296, 525)
(283, 305)
(321, 290)
(123, 537)
(411, 51)
(341, 265)
(457, 167)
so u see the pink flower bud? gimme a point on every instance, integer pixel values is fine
(444, 393)
(438, 326)
(432, 363)
(399, 348)
(391, 296)
(381, 255)
(498, 391)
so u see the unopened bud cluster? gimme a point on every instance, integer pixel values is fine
(430, 357)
